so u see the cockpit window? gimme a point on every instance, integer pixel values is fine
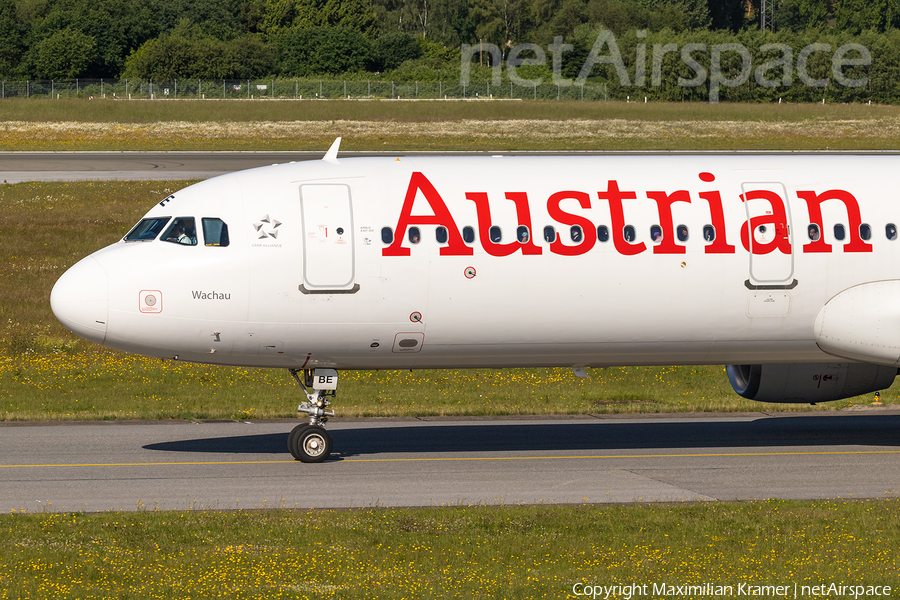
(147, 229)
(215, 232)
(181, 231)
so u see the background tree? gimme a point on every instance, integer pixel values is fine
(800, 15)
(727, 14)
(12, 40)
(248, 57)
(281, 15)
(856, 16)
(420, 39)
(489, 25)
(186, 52)
(64, 55)
(445, 21)
(221, 19)
(696, 12)
(322, 50)
(116, 26)
(393, 49)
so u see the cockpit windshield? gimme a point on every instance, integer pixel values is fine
(147, 229)
(181, 231)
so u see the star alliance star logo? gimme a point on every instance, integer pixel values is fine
(267, 223)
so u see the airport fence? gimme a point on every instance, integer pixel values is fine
(297, 89)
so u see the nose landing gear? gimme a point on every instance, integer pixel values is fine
(310, 443)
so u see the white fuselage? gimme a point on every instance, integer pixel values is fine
(308, 280)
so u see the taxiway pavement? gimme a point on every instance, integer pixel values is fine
(439, 462)
(16, 167)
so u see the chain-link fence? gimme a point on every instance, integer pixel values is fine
(297, 89)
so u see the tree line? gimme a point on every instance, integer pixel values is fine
(411, 39)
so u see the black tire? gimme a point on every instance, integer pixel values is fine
(310, 443)
(292, 439)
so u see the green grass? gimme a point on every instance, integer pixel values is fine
(48, 373)
(197, 111)
(108, 385)
(461, 552)
(438, 125)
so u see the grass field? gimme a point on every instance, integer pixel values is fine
(461, 552)
(199, 111)
(48, 373)
(441, 125)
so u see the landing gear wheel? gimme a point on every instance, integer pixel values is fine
(309, 443)
(292, 439)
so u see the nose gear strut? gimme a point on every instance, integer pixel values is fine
(310, 442)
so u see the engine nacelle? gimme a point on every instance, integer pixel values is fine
(808, 382)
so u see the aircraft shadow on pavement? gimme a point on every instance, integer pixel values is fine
(788, 432)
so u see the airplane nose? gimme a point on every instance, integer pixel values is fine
(80, 300)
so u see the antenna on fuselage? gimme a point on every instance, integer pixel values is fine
(331, 155)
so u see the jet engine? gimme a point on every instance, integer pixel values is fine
(808, 382)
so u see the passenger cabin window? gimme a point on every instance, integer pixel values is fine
(839, 233)
(387, 235)
(468, 235)
(549, 234)
(440, 234)
(813, 232)
(890, 231)
(147, 229)
(709, 233)
(629, 233)
(603, 233)
(865, 232)
(496, 234)
(415, 236)
(215, 232)
(575, 233)
(656, 233)
(181, 231)
(522, 234)
(682, 233)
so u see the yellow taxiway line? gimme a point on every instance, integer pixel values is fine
(463, 458)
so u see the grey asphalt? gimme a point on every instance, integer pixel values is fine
(16, 167)
(440, 462)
